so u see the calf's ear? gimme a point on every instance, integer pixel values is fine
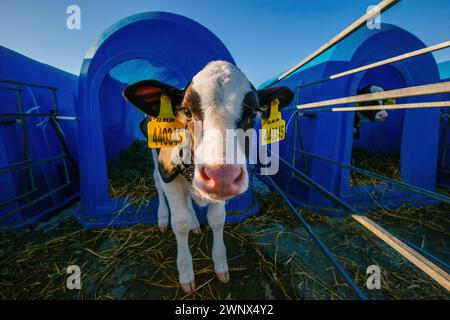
(266, 96)
(146, 94)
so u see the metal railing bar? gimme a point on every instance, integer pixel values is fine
(401, 57)
(428, 267)
(380, 63)
(27, 180)
(28, 84)
(25, 115)
(400, 106)
(420, 105)
(310, 182)
(10, 88)
(429, 256)
(24, 195)
(402, 184)
(44, 213)
(31, 165)
(40, 198)
(418, 260)
(441, 87)
(63, 147)
(302, 145)
(320, 243)
(444, 170)
(381, 7)
(55, 101)
(16, 164)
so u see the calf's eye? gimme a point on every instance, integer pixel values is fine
(187, 113)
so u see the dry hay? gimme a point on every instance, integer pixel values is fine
(384, 164)
(356, 248)
(400, 279)
(127, 263)
(271, 256)
(132, 174)
(136, 263)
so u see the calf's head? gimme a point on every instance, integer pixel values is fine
(372, 115)
(218, 100)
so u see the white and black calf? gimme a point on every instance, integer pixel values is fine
(368, 115)
(219, 98)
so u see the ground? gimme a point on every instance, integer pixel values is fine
(271, 256)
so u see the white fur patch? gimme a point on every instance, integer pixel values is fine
(382, 114)
(374, 89)
(221, 87)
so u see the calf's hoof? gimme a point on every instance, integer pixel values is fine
(223, 277)
(197, 231)
(163, 229)
(188, 287)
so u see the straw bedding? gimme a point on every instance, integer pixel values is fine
(384, 164)
(270, 255)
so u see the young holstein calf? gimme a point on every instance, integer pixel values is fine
(219, 98)
(368, 115)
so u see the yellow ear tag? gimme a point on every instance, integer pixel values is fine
(165, 131)
(274, 127)
(389, 101)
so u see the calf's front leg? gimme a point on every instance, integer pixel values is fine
(181, 220)
(163, 209)
(195, 226)
(216, 220)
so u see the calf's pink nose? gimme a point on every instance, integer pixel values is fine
(222, 180)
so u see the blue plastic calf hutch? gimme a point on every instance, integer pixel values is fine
(412, 133)
(155, 45)
(443, 177)
(38, 149)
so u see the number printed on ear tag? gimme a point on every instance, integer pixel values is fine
(165, 131)
(273, 127)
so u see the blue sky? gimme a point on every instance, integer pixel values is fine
(264, 36)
